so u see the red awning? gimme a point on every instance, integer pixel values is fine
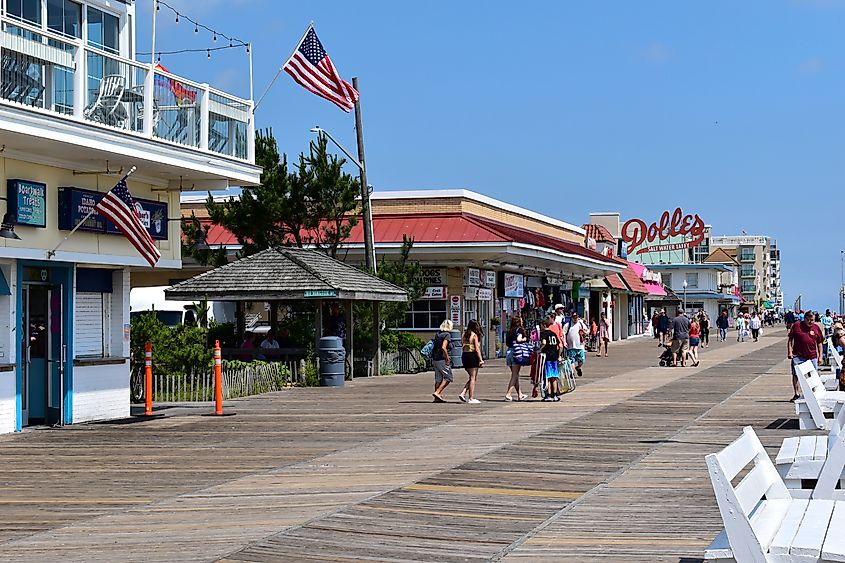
(615, 282)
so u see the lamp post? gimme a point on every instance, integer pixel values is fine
(842, 282)
(685, 295)
(369, 246)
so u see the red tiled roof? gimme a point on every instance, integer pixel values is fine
(599, 233)
(615, 282)
(442, 228)
(633, 281)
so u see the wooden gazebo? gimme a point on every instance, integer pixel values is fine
(291, 274)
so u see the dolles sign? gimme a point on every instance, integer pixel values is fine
(636, 233)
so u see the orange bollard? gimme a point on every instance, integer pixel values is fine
(148, 379)
(218, 379)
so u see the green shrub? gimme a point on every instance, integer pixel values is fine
(410, 341)
(310, 374)
(180, 349)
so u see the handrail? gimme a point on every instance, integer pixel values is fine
(46, 32)
(114, 57)
(217, 92)
(178, 78)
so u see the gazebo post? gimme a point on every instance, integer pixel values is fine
(318, 327)
(240, 321)
(376, 339)
(349, 332)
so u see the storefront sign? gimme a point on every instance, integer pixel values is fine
(455, 309)
(76, 203)
(310, 293)
(533, 281)
(674, 231)
(566, 285)
(485, 294)
(434, 276)
(553, 280)
(653, 277)
(435, 292)
(27, 202)
(514, 285)
(489, 279)
(473, 277)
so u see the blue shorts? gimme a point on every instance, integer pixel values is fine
(552, 370)
(576, 355)
(797, 360)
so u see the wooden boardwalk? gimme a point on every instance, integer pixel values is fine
(375, 471)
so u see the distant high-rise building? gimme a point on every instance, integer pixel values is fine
(759, 273)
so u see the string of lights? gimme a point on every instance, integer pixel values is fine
(234, 42)
(208, 50)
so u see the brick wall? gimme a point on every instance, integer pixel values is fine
(100, 392)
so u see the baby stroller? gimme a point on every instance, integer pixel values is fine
(666, 357)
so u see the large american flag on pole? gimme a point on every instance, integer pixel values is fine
(118, 207)
(311, 67)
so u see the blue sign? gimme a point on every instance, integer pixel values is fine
(27, 202)
(76, 203)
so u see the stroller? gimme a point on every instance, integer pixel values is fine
(666, 357)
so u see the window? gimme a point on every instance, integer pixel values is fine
(426, 314)
(91, 324)
(692, 281)
(64, 16)
(667, 279)
(26, 10)
(103, 30)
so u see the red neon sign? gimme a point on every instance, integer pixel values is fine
(641, 238)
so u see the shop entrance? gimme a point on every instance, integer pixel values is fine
(42, 353)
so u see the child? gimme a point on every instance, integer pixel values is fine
(551, 348)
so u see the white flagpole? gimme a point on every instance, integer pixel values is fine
(281, 68)
(52, 253)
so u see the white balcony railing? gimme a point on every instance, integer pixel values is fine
(58, 74)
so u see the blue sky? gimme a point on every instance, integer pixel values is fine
(733, 110)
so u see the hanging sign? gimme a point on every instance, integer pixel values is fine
(455, 309)
(674, 231)
(485, 294)
(473, 277)
(435, 292)
(553, 280)
(487, 278)
(27, 202)
(514, 285)
(310, 293)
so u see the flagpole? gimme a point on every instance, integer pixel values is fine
(52, 253)
(281, 68)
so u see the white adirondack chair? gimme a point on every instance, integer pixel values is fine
(833, 356)
(804, 457)
(763, 523)
(816, 399)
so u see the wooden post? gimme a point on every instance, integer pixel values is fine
(376, 339)
(148, 379)
(369, 240)
(349, 340)
(218, 379)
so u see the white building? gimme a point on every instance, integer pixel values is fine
(699, 286)
(76, 109)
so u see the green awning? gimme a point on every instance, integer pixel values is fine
(768, 305)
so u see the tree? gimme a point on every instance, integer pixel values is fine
(314, 204)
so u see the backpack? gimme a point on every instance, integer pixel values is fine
(437, 344)
(427, 350)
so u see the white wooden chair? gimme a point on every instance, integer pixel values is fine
(833, 356)
(816, 399)
(804, 457)
(763, 523)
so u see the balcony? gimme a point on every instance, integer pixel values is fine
(746, 272)
(53, 74)
(749, 288)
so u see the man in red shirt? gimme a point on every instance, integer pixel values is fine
(804, 343)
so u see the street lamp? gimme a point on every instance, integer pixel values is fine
(842, 282)
(369, 245)
(685, 295)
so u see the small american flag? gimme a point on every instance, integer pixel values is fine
(118, 207)
(311, 67)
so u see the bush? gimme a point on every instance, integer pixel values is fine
(410, 341)
(310, 374)
(181, 349)
(225, 333)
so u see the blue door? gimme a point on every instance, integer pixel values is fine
(43, 350)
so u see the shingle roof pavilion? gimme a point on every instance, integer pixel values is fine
(285, 274)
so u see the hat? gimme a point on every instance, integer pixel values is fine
(558, 306)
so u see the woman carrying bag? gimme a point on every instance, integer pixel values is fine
(516, 337)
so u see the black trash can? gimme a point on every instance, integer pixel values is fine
(332, 361)
(456, 348)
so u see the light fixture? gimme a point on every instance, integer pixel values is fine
(209, 53)
(215, 36)
(201, 243)
(196, 28)
(177, 17)
(7, 228)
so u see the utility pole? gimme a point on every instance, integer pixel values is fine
(369, 244)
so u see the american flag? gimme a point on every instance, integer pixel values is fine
(311, 67)
(118, 207)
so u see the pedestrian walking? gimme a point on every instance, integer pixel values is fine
(550, 347)
(827, 323)
(704, 324)
(804, 344)
(604, 334)
(722, 324)
(472, 360)
(694, 341)
(741, 330)
(655, 320)
(575, 333)
(680, 338)
(441, 361)
(516, 335)
(662, 327)
(755, 324)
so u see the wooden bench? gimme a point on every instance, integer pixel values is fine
(803, 457)
(762, 521)
(816, 399)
